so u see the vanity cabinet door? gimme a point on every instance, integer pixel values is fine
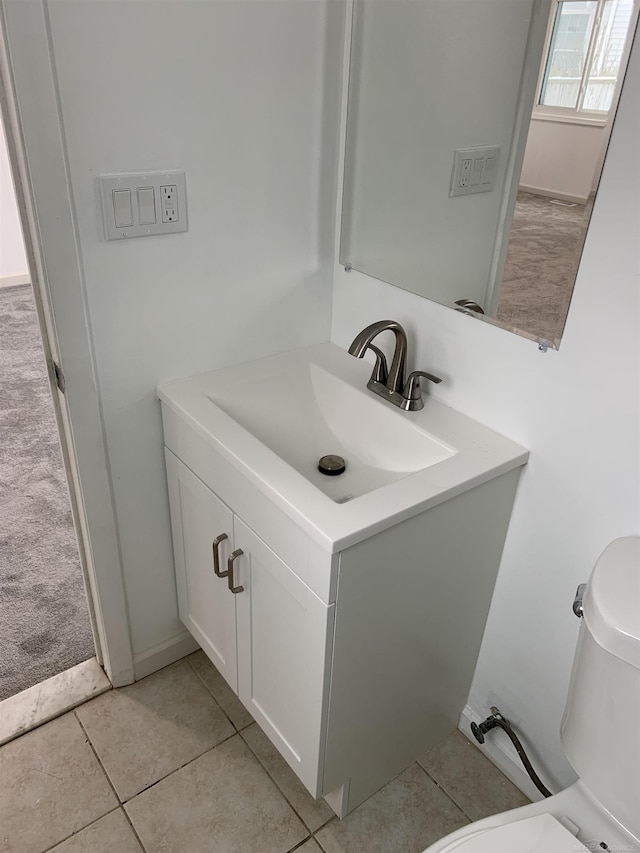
(206, 606)
(285, 635)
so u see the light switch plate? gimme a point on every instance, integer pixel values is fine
(134, 181)
(474, 170)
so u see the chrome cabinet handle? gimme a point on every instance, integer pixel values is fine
(230, 560)
(216, 555)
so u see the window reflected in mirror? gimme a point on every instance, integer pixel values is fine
(585, 54)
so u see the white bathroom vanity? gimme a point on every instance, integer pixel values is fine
(346, 612)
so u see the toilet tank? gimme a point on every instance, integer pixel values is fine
(600, 729)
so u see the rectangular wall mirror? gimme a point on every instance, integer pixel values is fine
(476, 135)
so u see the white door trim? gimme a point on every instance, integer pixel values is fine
(35, 136)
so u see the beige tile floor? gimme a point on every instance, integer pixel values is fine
(174, 764)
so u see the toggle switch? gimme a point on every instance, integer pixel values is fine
(146, 206)
(122, 210)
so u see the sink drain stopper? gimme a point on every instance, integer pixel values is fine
(331, 465)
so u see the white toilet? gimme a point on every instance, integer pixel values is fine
(600, 733)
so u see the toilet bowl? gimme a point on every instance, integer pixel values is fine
(600, 733)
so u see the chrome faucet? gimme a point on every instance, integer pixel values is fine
(390, 383)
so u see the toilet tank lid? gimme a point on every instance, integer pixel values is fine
(612, 600)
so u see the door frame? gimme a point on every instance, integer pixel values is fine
(541, 10)
(33, 125)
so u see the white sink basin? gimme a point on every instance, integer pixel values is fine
(304, 412)
(273, 419)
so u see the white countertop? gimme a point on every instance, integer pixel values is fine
(481, 454)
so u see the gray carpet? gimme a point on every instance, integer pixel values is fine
(44, 621)
(545, 245)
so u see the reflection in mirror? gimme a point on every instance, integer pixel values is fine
(476, 133)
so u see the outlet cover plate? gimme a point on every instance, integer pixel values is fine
(474, 170)
(133, 181)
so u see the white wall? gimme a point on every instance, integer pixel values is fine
(234, 94)
(561, 158)
(577, 410)
(458, 88)
(13, 260)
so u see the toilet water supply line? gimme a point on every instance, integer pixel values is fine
(497, 720)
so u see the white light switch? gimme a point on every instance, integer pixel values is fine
(476, 173)
(146, 205)
(489, 170)
(142, 204)
(122, 210)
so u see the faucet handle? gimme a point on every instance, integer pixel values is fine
(412, 394)
(380, 370)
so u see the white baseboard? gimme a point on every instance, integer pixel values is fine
(500, 751)
(166, 653)
(577, 199)
(14, 280)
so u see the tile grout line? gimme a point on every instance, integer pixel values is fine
(252, 751)
(206, 687)
(326, 823)
(445, 792)
(279, 789)
(121, 803)
(256, 756)
(186, 764)
(133, 829)
(104, 770)
(177, 769)
(82, 828)
(333, 817)
(211, 749)
(317, 840)
(97, 757)
(300, 844)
